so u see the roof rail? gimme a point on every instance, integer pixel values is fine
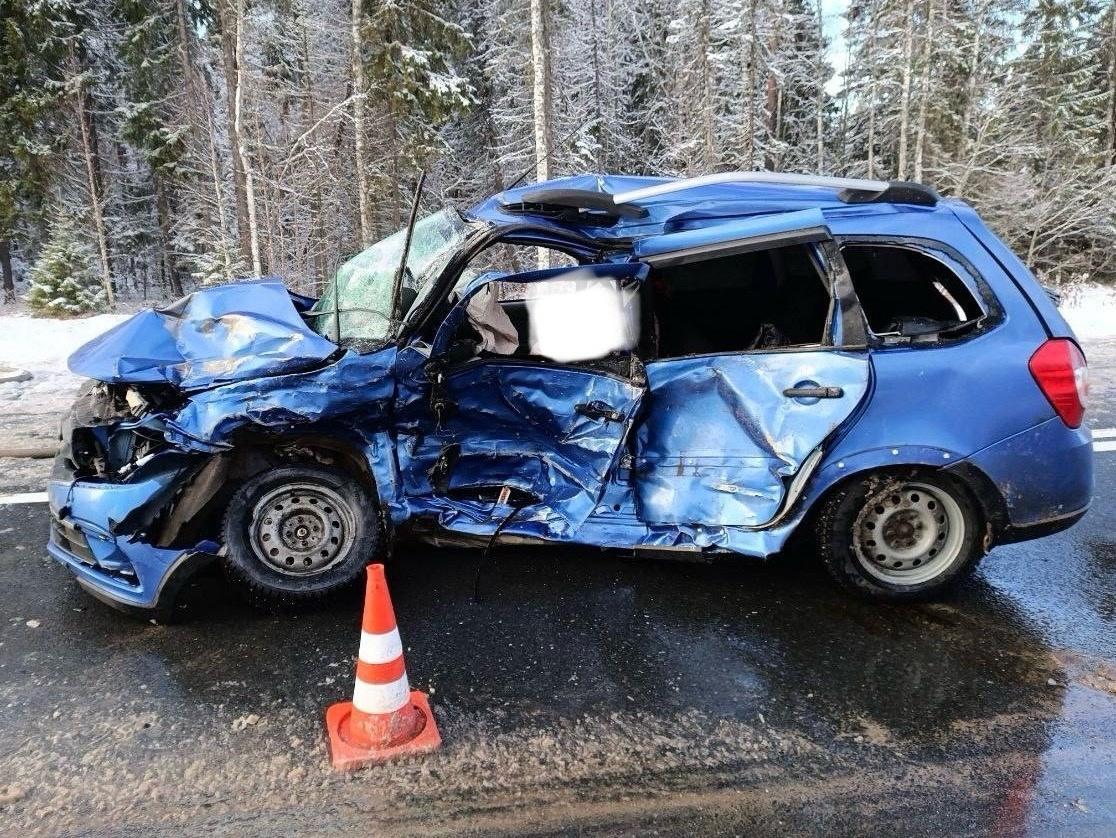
(852, 190)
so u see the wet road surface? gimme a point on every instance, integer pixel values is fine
(584, 692)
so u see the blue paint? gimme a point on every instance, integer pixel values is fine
(731, 467)
(213, 336)
(123, 566)
(727, 231)
(690, 453)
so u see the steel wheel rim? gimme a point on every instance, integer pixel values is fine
(909, 534)
(301, 529)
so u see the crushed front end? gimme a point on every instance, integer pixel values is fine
(113, 482)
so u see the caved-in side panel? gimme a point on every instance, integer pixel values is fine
(722, 433)
(549, 432)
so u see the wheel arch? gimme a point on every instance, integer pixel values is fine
(840, 472)
(198, 507)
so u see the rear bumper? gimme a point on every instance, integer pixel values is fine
(97, 532)
(1040, 529)
(1043, 476)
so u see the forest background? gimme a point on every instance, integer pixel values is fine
(148, 147)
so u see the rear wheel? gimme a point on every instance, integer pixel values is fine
(297, 534)
(900, 537)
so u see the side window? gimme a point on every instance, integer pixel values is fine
(908, 293)
(493, 262)
(759, 300)
(574, 319)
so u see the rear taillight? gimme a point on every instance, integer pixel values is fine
(1060, 370)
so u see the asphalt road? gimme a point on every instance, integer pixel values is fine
(584, 692)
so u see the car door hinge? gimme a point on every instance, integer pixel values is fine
(441, 405)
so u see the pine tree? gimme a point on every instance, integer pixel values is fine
(64, 281)
(29, 92)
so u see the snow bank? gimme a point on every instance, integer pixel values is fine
(1090, 309)
(44, 343)
(41, 345)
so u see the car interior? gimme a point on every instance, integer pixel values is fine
(906, 292)
(760, 300)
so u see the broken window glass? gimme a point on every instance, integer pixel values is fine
(357, 304)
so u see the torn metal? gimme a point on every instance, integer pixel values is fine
(213, 336)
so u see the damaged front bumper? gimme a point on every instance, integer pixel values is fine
(99, 531)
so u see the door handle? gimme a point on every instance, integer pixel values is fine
(816, 392)
(599, 410)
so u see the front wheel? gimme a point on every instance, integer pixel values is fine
(297, 534)
(900, 537)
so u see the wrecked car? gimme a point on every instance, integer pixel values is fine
(705, 365)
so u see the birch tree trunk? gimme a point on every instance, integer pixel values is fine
(229, 23)
(317, 234)
(972, 81)
(363, 198)
(750, 90)
(905, 94)
(924, 92)
(93, 178)
(872, 96)
(540, 80)
(819, 103)
(197, 107)
(600, 129)
(218, 192)
(1110, 157)
(540, 75)
(708, 140)
(771, 116)
(242, 145)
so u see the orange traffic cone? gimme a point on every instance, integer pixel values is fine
(386, 718)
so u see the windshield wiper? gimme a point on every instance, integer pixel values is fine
(397, 285)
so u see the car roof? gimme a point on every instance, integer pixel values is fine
(585, 204)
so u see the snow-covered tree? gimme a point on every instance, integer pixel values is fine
(64, 281)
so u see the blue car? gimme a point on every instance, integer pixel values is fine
(705, 365)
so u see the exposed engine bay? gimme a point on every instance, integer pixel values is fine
(112, 427)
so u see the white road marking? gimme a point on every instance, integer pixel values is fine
(1106, 445)
(23, 497)
(1103, 433)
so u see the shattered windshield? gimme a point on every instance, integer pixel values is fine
(356, 305)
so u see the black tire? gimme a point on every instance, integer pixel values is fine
(848, 547)
(303, 506)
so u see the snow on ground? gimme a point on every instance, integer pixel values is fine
(1090, 310)
(39, 345)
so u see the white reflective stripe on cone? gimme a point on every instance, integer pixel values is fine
(382, 698)
(380, 648)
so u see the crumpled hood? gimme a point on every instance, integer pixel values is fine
(212, 336)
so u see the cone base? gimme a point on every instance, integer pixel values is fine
(346, 755)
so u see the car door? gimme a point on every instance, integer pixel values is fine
(727, 434)
(531, 416)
